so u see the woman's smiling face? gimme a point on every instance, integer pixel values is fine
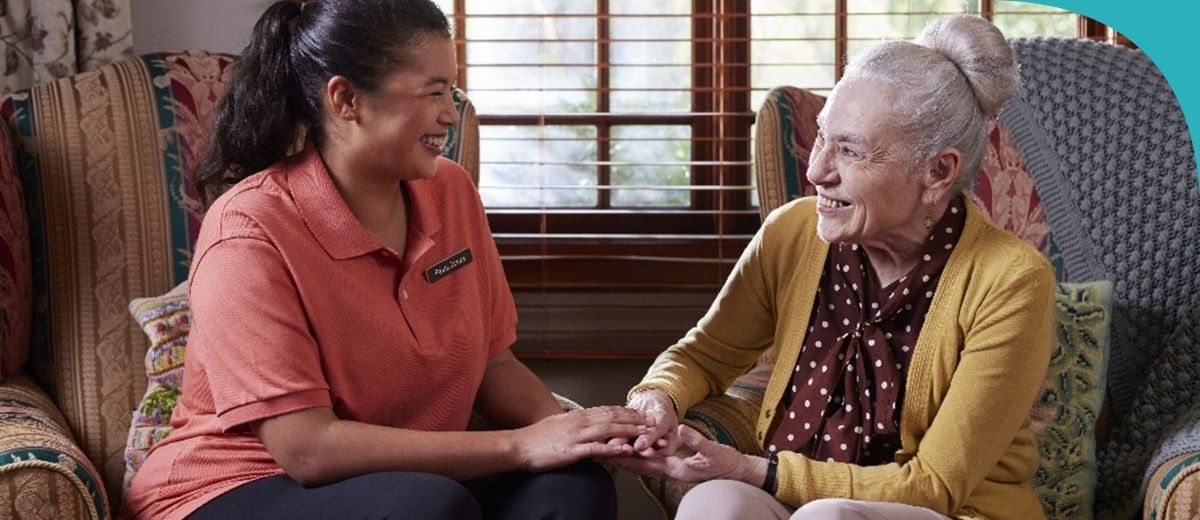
(403, 123)
(869, 186)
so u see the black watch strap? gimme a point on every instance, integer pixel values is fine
(771, 484)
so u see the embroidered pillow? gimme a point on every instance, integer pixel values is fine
(166, 320)
(1064, 416)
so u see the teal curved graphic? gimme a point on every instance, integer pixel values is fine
(1164, 30)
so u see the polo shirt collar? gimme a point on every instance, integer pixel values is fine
(330, 221)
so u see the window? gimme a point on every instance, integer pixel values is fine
(798, 42)
(615, 142)
(613, 155)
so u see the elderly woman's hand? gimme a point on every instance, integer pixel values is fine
(661, 439)
(711, 461)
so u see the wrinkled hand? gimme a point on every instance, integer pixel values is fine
(711, 461)
(661, 439)
(563, 439)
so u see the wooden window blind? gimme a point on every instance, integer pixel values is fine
(614, 148)
(615, 139)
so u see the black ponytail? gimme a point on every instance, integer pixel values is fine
(275, 91)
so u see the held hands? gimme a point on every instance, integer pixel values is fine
(563, 439)
(661, 439)
(711, 461)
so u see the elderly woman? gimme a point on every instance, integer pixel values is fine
(912, 333)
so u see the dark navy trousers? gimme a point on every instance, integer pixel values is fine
(582, 491)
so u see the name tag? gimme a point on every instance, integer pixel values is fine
(449, 265)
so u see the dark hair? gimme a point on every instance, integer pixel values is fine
(275, 90)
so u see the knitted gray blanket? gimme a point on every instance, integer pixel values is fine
(1106, 143)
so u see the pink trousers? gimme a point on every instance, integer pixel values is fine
(730, 499)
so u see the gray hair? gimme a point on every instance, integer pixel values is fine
(956, 75)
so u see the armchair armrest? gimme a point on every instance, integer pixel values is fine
(1174, 489)
(43, 473)
(1172, 482)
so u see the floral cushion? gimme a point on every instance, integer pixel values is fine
(166, 321)
(16, 279)
(1005, 191)
(1064, 415)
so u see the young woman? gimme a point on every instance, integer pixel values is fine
(349, 308)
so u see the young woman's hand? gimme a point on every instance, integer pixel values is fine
(661, 440)
(566, 438)
(711, 461)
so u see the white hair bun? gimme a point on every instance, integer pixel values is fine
(980, 51)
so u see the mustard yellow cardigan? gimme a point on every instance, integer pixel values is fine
(967, 450)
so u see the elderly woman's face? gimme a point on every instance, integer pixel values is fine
(868, 188)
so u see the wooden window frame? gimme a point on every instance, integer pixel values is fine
(573, 248)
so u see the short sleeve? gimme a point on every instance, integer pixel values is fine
(503, 319)
(251, 334)
(500, 311)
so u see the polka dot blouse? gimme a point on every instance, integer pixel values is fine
(847, 390)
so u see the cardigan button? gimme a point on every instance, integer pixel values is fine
(767, 414)
(760, 436)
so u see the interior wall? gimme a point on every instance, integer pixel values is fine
(212, 25)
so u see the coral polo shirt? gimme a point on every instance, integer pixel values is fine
(295, 305)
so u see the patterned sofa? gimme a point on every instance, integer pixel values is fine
(92, 216)
(1092, 164)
